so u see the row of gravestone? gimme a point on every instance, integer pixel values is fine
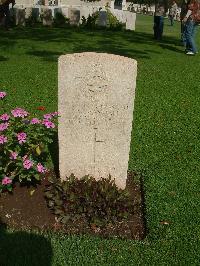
(73, 14)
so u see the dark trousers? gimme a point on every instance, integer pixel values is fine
(158, 27)
(5, 13)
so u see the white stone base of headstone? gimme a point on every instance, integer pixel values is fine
(95, 100)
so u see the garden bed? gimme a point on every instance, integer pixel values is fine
(26, 208)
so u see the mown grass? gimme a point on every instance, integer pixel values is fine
(165, 140)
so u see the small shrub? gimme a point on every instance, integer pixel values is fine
(60, 20)
(112, 22)
(97, 202)
(91, 21)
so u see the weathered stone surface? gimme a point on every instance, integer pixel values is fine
(74, 16)
(96, 100)
(130, 20)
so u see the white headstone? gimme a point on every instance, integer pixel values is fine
(112, 4)
(96, 102)
(120, 15)
(74, 16)
(130, 20)
(124, 5)
(65, 12)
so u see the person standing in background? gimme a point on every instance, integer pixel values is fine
(159, 20)
(5, 12)
(192, 20)
(184, 9)
(173, 12)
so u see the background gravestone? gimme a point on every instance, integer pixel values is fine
(19, 16)
(74, 16)
(28, 12)
(102, 20)
(96, 99)
(130, 20)
(47, 18)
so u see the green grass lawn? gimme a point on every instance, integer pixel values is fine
(165, 141)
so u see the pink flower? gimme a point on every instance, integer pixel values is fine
(4, 117)
(47, 116)
(24, 158)
(54, 113)
(3, 139)
(2, 94)
(41, 168)
(4, 126)
(21, 137)
(27, 164)
(6, 180)
(13, 155)
(35, 121)
(48, 124)
(19, 112)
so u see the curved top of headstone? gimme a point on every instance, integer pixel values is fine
(94, 55)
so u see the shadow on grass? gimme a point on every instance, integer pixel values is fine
(24, 248)
(171, 48)
(3, 58)
(72, 40)
(49, 56)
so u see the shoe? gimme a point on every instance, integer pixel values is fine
(190, 53)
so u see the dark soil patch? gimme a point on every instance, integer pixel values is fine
(26, 208)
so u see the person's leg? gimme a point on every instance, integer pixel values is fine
(7, 16)
(160, 30)
(156, 21)
(171, 20)
(194, 35)
(189, 32)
